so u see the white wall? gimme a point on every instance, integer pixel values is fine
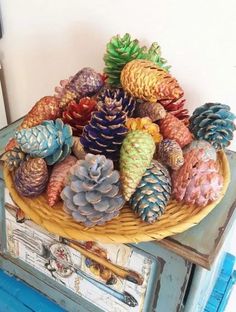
(47, 40)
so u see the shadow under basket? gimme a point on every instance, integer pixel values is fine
(127, 227)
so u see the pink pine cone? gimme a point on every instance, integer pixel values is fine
(197, 182)
(58, 178)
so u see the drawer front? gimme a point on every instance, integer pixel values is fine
(86, 284)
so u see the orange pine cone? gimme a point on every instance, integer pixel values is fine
(58, 178)
(46, 108)
(174, 129)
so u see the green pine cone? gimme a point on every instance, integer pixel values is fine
(154, 54)
(135, 156)
(120, 51)
(153, 193)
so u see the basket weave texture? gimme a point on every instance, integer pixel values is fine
(127, 227)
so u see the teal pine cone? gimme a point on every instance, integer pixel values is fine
(214, 123)
(153, 193)
(52, 140)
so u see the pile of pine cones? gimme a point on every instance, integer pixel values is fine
(125, 135)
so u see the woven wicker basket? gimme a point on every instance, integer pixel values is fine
(127, 228)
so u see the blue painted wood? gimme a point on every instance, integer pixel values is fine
(17, 296)
(223, 286)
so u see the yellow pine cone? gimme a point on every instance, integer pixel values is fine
(145, 124)
(145, 80)
(135, 156)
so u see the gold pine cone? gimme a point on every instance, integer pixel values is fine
(145, 80)
(145, 124)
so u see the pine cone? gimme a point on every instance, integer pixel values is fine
(174, 129)
(31, 177)
(214, 123)
(145, 124)
(128, 102)
(58, 178)
(153, 54)
(153, 193)
(197, 182)
(46, 108)
(209, 150)
(51, 140)
(145, 80)
(11, 144)
(86, 82)
(106, 130)
(93, 194)
(135, 156)
(78, 114)
(170, 154)
(59, 90)
(154, 111)
(78, 149)
(119, 51)
(13, 158)
(176, 108)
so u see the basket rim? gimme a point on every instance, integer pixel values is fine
(89, 234)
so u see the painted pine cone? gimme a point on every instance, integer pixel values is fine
(214, 123)
(46, 108)
(153, 193)
(153, 54)
(170, 154)
(13, 158)
(197, 181)
(51, 140)
(145, 124)
(106, 130)
(145, 80)
(78, 114)
(119, 51)
(209, 150)
(177, 108)
(135, 156)
(154, 111)
(58, 178)
(78, 149)
(92, 195)
(31, 177)
(174, 129)
(118, 94)
(87, 82)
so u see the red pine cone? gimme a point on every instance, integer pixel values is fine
(174, 129)
(176, 108)
(78, 114)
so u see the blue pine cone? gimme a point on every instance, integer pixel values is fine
(106, 130)
(93, 195)
(214, 123)
(127, 101)
(52, 140)
(153, 193)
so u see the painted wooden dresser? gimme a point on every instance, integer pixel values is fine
(178, 272)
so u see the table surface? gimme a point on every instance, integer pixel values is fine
(201, 243)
